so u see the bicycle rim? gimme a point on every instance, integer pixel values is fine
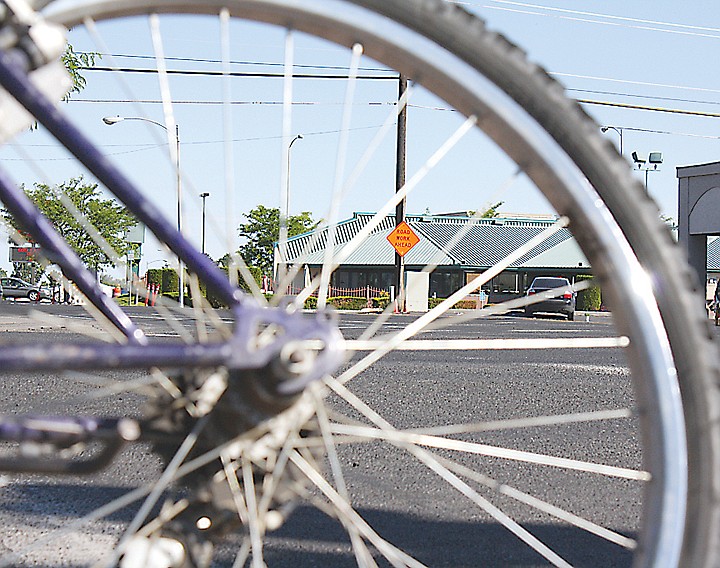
(572, 175)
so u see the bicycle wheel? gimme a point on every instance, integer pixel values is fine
(243, 455)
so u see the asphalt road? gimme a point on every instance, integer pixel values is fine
(401, 498)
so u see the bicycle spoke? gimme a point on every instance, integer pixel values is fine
(529, 422)
(361, 553)
(524, 535)
(235, 489)
(490, 344)
(286, 136)
(256, 531)
(243, 554)
(231, 222)
(395, 556)
(341, 159)
(71, 325)
(540, 505)
(488, 426)
(491, 451)
(129, 498)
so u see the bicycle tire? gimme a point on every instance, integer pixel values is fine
(639, 219)
(632, 210)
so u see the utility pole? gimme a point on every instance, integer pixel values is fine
(399, 183)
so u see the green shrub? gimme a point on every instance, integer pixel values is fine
(465, 305)
(215, 301)
(590, 299)
(154, 276)
(347, 302)
(256, 274)
(461, 305)
(167, 279)
(170, 281)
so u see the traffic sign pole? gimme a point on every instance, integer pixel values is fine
(399, 183)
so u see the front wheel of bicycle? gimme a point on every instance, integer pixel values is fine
(637, 432)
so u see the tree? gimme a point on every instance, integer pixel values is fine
(109, 218)
(490, 212)
(262, 231)
(74, 62)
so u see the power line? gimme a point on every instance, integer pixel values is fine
(368, 103)
(667, 132)
(254, 63)
(649, 108)
(630, 82)
(581, 16)
(233, 103)
(634, 96)
(254, 74)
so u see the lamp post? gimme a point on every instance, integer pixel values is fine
(111, 120)
(650, 165)
(287, 192)
(204, 195)
(619, 131)
(284, 216)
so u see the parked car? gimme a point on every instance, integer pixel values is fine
(563, 304)
(16, 288)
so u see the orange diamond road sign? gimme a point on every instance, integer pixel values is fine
(403, 238)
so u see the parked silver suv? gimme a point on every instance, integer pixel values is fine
(563, 304)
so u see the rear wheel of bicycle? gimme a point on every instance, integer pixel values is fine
(667, 468)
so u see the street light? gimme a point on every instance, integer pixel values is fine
(619, 131)
(287, 193)
(650, 165)
(285, 214)
(203, 195)
(149, 264)
(111, 120)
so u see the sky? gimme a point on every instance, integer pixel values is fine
(649, 54)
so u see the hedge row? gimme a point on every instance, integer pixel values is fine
(350, 303)
(168, 280)
(461, 305)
